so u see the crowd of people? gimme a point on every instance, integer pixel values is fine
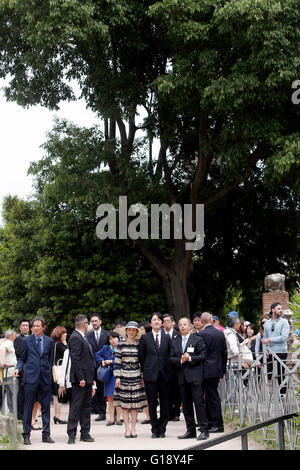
(156, 366)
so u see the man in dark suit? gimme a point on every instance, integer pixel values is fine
(154, 352)
(174, 394)
(188, 355)
(35, 364)
(214, 371)
(82, 374)
(24, 331)
(97, 339)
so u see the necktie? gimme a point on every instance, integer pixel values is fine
(97, 337)
(184, 343)
(157, 342)
(39, 345)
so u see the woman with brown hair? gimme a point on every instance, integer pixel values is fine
(59, 336)
(259, 336)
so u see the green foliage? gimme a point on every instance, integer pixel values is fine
(210, 80)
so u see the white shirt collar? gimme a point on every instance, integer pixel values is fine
(154, 334)
(81, 332)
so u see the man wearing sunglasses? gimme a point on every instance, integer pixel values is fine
(276, 332)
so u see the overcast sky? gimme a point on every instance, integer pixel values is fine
(23, 131)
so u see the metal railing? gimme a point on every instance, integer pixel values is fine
(243, 433)
(12, 384)
(264, 391)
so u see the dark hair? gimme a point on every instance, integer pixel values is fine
(24, 320)
(266, 317)
(197, 315)
(146, 325)
(41, 319)
(96, 315)
(158, 314)
(253, 327)
(167, 315)
(121, 323)
(113, 334)
(273, 305)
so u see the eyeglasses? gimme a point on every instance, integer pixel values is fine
(273, 327)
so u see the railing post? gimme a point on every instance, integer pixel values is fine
(240, 391)
(280, 432)
(15, 425)
(244, 438)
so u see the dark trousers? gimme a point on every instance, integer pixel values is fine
(213, 403)
(154, 391)
(41, 392)
(80, 410)
(280, 369)
(98, 402)
(174, 398)
(20, 398)
(192, 394)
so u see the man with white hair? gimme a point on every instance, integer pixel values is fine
(214, 371)
(8, 361)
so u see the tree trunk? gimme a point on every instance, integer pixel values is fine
(174, 276)
(174, 282)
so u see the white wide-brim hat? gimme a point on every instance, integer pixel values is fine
(131, 324)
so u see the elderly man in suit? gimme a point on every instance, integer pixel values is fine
(154, 352)
(97, 339)
(188, 355)
(82, 376)
(35, 363)
(214, 371)
(174, 395)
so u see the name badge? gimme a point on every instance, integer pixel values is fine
(190, 349)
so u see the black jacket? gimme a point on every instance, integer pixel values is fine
(216, 355)
(191, 371)
(102, 341)
(152, 361)
(82, 359)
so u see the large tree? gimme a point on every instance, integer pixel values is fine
(213, 77)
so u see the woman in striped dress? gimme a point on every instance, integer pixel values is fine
(129, 389)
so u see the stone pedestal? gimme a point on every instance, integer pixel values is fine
(275, 292)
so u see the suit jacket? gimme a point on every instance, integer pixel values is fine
(82, 359)
(216, 355)
(102, 341)
(37, 366)
(191, 371)
(152, 361)
(18, 345)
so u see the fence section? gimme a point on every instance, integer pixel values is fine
(267, 389)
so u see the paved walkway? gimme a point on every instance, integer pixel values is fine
(112, 438)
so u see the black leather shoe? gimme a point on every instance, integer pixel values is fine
(27, 441)
(176, 418)
(71, 440)
(155, 436)
(87, 438)
(100, 418)
(215, 429)
(162, 434)
(203, 436)
(48, 440)
(188, 435)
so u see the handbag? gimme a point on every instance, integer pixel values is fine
(66, 397)
(104, 374)
(56, 368)
(247, 355)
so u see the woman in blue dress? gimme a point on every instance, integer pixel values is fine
(106, 357)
